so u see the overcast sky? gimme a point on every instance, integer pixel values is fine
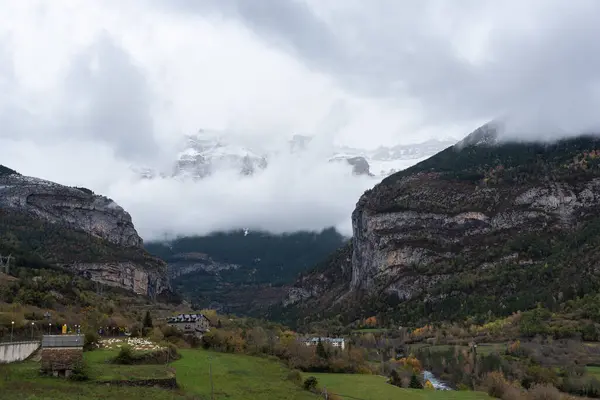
(88, 88)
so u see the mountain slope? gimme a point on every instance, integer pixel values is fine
(75, 229)
(242, 271)
(481, 229)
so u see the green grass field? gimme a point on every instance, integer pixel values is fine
(235, 377)
(100, 370)
(593, 371)
(22, 381)
(373, 387)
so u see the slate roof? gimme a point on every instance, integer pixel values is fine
(324, 339)
(186, 318)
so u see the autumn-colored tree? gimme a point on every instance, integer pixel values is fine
(514, 347)
(287, 337)
(412, 363)
(211, 315)
(257, 340)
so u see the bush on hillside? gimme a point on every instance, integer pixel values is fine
(415, 383)
(90, 340)
(80, 372)
(310, 383)
(543, 392)
(496, 384)
(127, 356)
(295, 376)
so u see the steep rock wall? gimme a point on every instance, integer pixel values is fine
(76, 208)
(75, 228)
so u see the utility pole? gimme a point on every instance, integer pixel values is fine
(212, 389)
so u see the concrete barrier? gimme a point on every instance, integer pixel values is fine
(17, 351)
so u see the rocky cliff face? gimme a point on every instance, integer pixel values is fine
(183, 264)
(73, 207)
(73, 227)
(482, 227)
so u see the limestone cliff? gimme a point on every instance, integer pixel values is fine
(73, 227)
(481, 228)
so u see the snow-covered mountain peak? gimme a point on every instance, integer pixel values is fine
(207, 151)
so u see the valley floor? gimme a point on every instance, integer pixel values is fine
(235, 377)
(373, 387)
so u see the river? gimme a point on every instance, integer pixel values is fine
(437, 384)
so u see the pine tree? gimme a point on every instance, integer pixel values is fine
(395, 378)
(415, 383)
(321, 352)
(147, 320)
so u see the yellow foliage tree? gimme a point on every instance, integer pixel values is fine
(412, 363)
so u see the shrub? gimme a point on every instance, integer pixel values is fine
(310, 383)
(125, 356)
(513, 393)
(295, 376)
(156, 335)
(495, 384)
(79, 372)
(543, 392)
(581, 386)
(90, 340)
(415, 383)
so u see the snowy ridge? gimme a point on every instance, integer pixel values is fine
(204, 153)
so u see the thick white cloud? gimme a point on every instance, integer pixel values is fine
(89, 88)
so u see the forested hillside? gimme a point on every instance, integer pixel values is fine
(242, 271)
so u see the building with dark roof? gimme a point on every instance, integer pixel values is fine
(335, 342)
(191, 324)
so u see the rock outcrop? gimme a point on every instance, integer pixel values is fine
(77, 208)
(73, 227)
(182, 264)
(467, 232)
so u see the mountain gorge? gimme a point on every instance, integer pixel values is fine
(242, 271)
(42, 222)
(482, 229)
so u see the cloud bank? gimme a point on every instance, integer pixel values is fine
(88, 89)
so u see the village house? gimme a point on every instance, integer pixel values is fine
(61, 354)
(335, 342)
(190, 324)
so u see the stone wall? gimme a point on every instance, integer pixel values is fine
(60, 358)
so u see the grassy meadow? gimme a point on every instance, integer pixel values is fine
(374, 387)
(235, 377)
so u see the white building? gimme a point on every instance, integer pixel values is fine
(191, 324)
(335, 342)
